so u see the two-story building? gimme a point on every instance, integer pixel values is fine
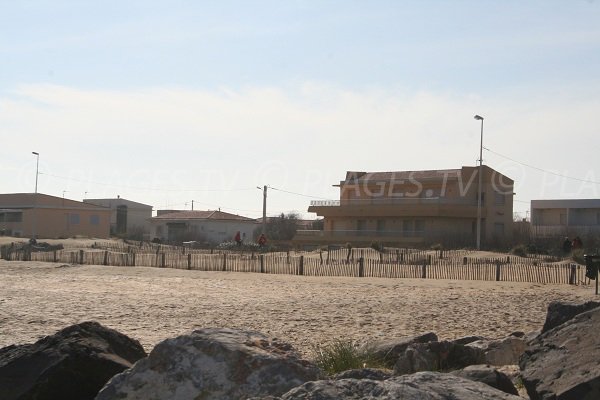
(416, 208)
(128, 218)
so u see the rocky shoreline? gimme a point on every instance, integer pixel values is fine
(91, 361)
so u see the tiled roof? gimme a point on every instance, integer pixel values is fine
(209, 214)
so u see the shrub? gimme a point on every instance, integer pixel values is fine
(577, 256)
(520, 250)
(342, 355)
(376, 246)
(437, 246)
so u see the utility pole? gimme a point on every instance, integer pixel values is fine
(37, 169)
(264, 218)
(192, 205)
(479, 186)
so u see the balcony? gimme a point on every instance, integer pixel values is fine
(397, 207)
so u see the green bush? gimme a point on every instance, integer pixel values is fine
(520, 250)
(577, 256)
(342, 355)
(437, 246)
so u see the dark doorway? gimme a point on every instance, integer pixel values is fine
(121, 219)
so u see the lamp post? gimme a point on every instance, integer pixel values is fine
(37, 169)
(480, 173)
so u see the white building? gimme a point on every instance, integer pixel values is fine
(202, 226)
(565, 217)
(126, 217)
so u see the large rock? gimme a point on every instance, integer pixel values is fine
(560, 312)
(437, 356)
(503, 351)
(419, 386)
(213, 364)
(488, 375)
(73, 364)
(389, 350)
(364, 373)
(564, 363)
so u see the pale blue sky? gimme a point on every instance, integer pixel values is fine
(165, 102)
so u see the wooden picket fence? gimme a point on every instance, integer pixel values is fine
(394, 263)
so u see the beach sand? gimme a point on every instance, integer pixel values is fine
(152, 304)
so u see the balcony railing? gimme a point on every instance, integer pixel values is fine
(396, 201)
(357, 233)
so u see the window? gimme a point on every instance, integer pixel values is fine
(419, 227)
(563, 219)
(407, 227)
(499, 229)
(74, 219)
(499, 199)
(94, 220)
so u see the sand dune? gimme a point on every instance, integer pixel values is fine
(151, 304)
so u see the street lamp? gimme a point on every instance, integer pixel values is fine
(480, 173)
(37, 169)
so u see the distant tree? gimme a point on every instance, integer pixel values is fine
(283, 227)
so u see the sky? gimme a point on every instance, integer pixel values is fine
(165, 102)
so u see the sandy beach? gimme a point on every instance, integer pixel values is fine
(151, 304)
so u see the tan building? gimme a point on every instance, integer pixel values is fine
(416, 207)
(203, 226)
(44, 216)
(566, 217)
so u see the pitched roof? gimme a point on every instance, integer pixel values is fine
(209, 214)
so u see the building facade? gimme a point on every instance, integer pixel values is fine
(416, 207)
(128, 218)
(203, 226)
(567, 217)
(43, 216)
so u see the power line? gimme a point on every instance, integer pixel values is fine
(543, 170)
(298, 194)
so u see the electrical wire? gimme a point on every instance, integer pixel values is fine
(543, 170)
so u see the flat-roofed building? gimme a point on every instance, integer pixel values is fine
(45, 216)
(416, 207)
(565, 217)
(128, 218)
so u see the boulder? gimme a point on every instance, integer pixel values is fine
(419, 386)
(560, 312)
(389, 350)
(488, 375)
(503, 351)
(467, 339)
(74, 363)
(564, 362)
(213, 364)
(437, 356)
(364, 373)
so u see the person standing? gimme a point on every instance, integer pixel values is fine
(567, 245)
(238, 238)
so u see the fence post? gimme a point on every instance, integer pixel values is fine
(262, 264)
(497, 270)
(133, 259)
(288, 257)
(508, 259)
(441, 253)
(81, 257)
(321, 256)
(189, 260)
(572, 275)
(54, 256)
(402, 257)
(464, 260)
(301, 266)
(424, 269)
(361, 267)
(224, 261)
(162, 260)
(105, 257)
(429, 259)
